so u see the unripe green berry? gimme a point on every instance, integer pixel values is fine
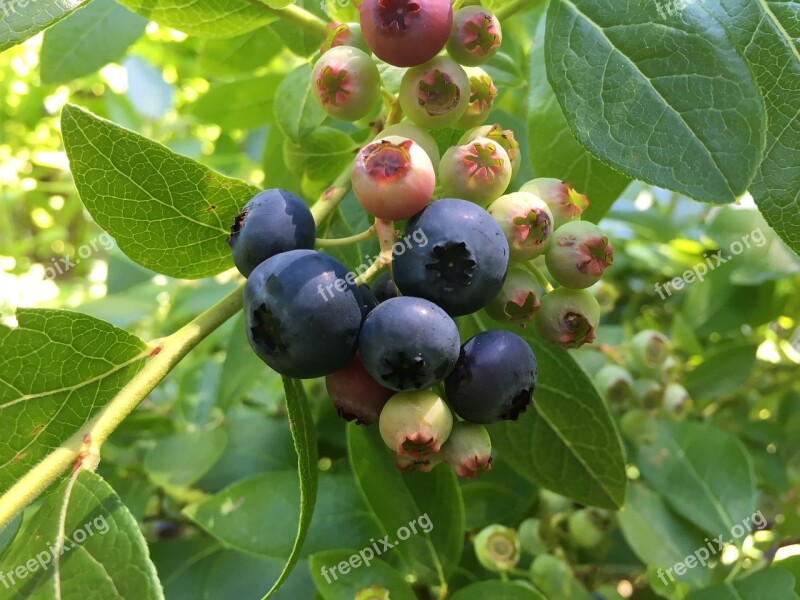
(587, 527)
(529, 537)
(519, 299)
(476, 36)
(468, 449)
(568, 317)
(648, 392)
(676, 399)
(482, 94)
(374, 592)
(614, 383)
(504, 137)
(497, 548)
(650, 348)
(435, 94)
(346, 83)
(415, 423)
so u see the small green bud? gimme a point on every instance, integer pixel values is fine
(529, 537)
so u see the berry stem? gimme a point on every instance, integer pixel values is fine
(548, 287)
(332, 196)
(346, 241)
(386, 239)
(164, 354)
(296, 15)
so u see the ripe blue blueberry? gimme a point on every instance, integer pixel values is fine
(384, 288)
(463, 264)
(273, 221)
(408, 343)
(368, 299)
(302, 315)
(494, 378)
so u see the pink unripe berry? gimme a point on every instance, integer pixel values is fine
(579, 254)
(482, 94)
(356, 395)
(476, 36)
(479, 171)
(526, 222)
(393, 178)
(346, 83)
(565, 203)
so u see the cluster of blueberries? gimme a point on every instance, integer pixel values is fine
(390, 352)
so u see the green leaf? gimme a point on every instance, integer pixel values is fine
(399, 499)
(167, 212)
(340, 585)
(240, 55)
(567, 441)
(769, 584)
(179, 460)
(553, 149)
(298, 113)
(296, 38)
(202, 18)
(765, 33)
(87, 40)
(22, 20)
(105, 555)
(258, 515)
(670, 103)
(305, 443)
(660, 538)
(242, 104)
(322, 155)
(57, 370)
(724, 369)
(703, 473)
(497, 590)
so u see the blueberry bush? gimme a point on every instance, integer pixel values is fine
(400, 299)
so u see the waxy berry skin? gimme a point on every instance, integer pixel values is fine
(435, 94)
(415, 424)
(578, 255)
(526, 222)
(419, 135)
(468, 450)
(297, 320)
(355, 394)
(408, 343)
(565, 203)
(346, 83)
(504, 137)
(494, 378)
(393, 178)
(568, 317)
(344, 34)
(519, 299)
(479, 171)
(476, 36)
(406, 33)
(464, 263)
(273, 221)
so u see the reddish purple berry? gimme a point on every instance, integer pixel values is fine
(406, 33)
(356, 395)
